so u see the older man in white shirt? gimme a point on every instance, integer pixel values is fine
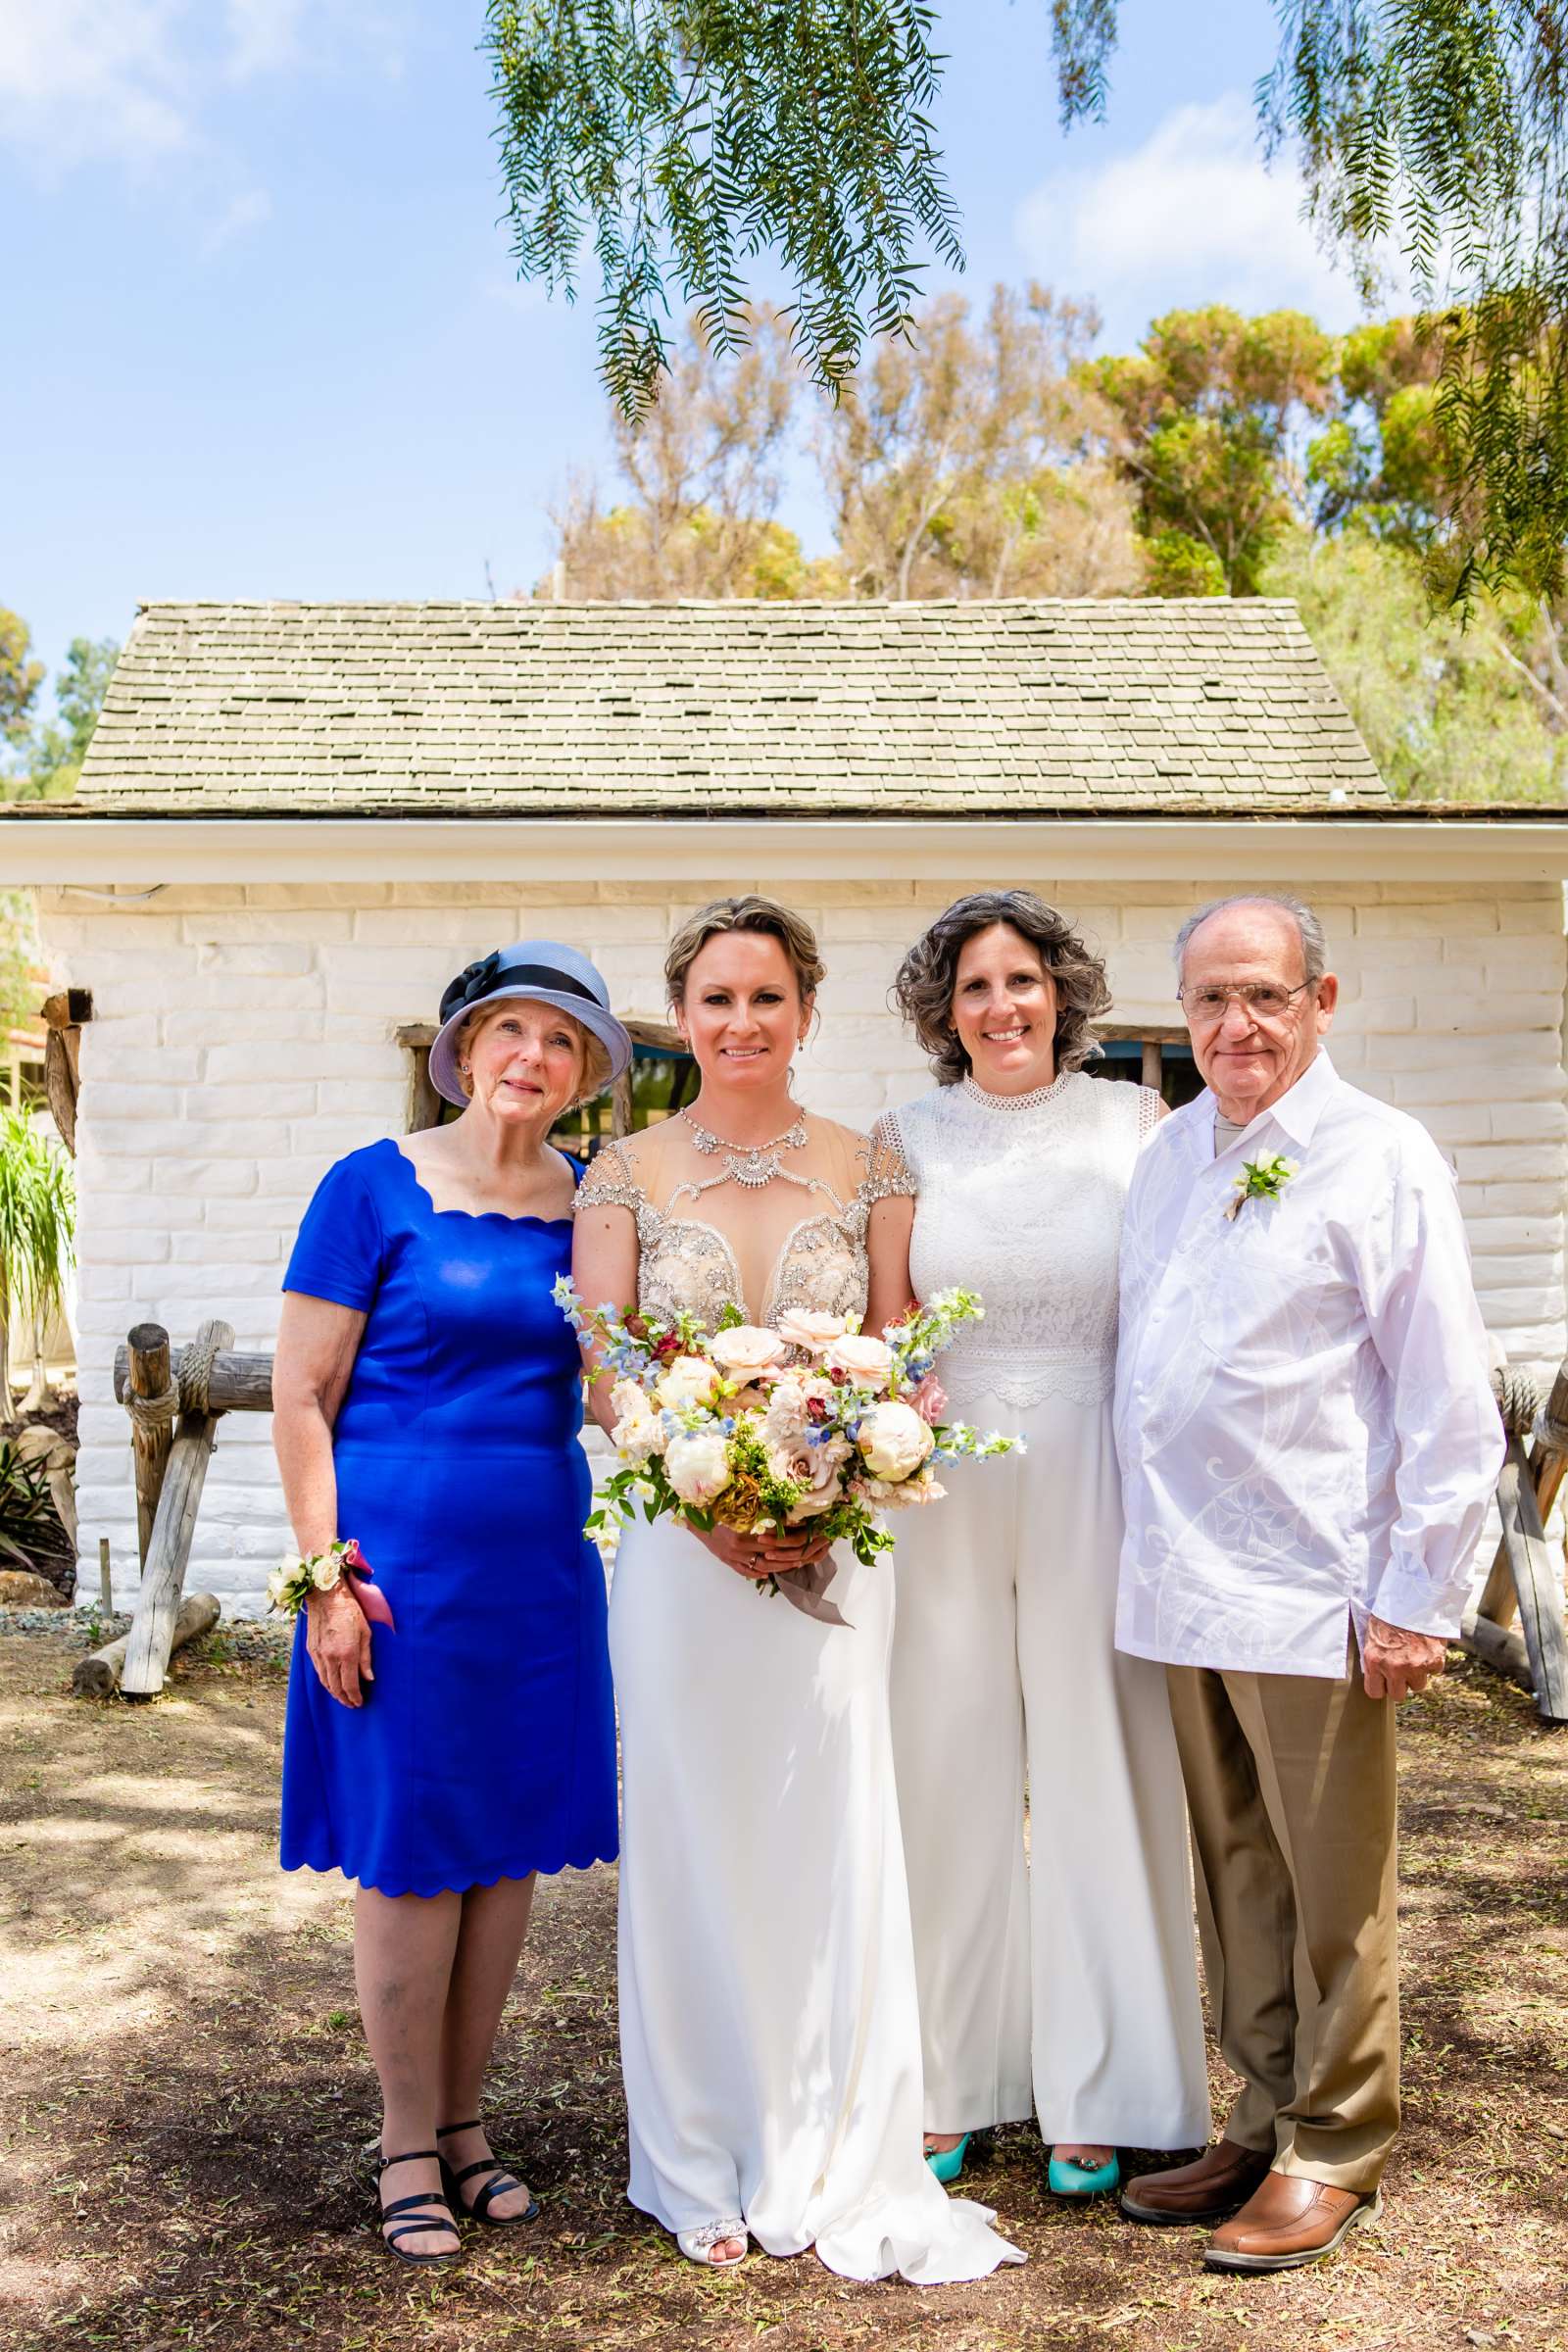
(1308, 1442)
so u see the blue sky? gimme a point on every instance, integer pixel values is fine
(266, 339)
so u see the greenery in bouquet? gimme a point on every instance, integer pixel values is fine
(815, 1424)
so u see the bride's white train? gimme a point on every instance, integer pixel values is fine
(770, 2034)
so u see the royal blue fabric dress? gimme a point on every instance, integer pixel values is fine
(487, 1745)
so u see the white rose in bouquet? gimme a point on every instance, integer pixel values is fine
(685, 1381)
(277, 1587)
(638, 1432)
(889, 1496)
(784, 1422)
(862, 1358)
(746, 1349)
(327, 1571)
(805, 1328)
(894, 1441)
(696, 1464)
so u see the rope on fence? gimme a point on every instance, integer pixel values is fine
(150, 1412)
(1519, 1402)
(188, 1393)
(196, 1370)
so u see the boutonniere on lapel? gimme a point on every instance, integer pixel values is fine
(1260, 1180)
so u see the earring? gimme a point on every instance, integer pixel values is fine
(465, 1067)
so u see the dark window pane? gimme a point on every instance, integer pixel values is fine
(1123, 1057)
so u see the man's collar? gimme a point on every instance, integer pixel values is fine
(1301, 1105)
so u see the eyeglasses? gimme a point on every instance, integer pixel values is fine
(1265, 1000)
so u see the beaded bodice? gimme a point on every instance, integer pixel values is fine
(1021, 1200)
(762, 1230)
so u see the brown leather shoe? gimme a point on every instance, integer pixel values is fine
(1287, 2223)
(1222, 2178)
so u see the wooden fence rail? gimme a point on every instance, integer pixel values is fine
(176, 1397)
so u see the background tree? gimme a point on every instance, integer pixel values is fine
(703, 474)
(1444, 711)
(689, 138)
(974, 461)
(22, 985)
(1385, 469)
(42, 759)
(20, 677)
(61, 747)
(1209, 406)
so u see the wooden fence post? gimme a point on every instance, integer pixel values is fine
(97, 1676)
(152, 1422)
(152, 1632)
(1527, 1575)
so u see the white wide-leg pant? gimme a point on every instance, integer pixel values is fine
(769, 2025)
(1074, 1979)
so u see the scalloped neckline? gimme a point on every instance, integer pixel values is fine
(474, 1216)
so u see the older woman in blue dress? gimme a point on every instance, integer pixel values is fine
(427, 1409)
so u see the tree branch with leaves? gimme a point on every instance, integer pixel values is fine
(687, 139)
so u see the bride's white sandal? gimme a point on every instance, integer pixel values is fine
(698, 2244)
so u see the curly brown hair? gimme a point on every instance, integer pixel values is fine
(792, 931)
(929, 974)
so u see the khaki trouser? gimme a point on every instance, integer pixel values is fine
(1290, 1786)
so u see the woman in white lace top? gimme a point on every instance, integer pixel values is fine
(770, 2023)
(1071, 1984)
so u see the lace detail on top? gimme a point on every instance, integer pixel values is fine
(708, 1240)
(1004, 1103)
(1021, 1200)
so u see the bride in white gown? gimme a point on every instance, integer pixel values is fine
(769, 2025)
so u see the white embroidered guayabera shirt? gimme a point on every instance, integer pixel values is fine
(1304, 1413)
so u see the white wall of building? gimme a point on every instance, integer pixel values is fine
(242, 1040)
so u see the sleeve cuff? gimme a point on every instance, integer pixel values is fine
(1407, 1597)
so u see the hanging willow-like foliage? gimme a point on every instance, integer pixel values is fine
(1440, 127)
(687, 137)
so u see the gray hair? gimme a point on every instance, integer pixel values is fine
(1314, 946)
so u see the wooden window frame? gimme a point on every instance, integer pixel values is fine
(1154, 1037)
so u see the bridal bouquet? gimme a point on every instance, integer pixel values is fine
(815, 1423)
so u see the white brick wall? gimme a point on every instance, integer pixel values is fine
(243, 1039)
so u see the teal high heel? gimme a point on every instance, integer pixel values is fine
(1070, 2179)
(947, 2163)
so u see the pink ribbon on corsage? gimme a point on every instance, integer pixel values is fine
(365, 1589)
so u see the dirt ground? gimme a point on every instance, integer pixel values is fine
(187, 2107)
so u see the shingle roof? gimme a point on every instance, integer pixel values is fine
(734, 708)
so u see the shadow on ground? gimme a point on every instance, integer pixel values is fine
(189, 2111)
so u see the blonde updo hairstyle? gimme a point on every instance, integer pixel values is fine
(593, 1056)
(793, 933)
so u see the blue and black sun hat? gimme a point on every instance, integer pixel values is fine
(544, 971)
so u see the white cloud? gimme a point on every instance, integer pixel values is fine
(245, 212)
(1190, 216)
(129, 82)
(263, 34)
(93, 78)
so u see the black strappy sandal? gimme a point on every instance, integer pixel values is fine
(496, 2187)
(426, 2196)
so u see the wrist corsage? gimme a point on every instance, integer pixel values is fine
(301, 1573)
